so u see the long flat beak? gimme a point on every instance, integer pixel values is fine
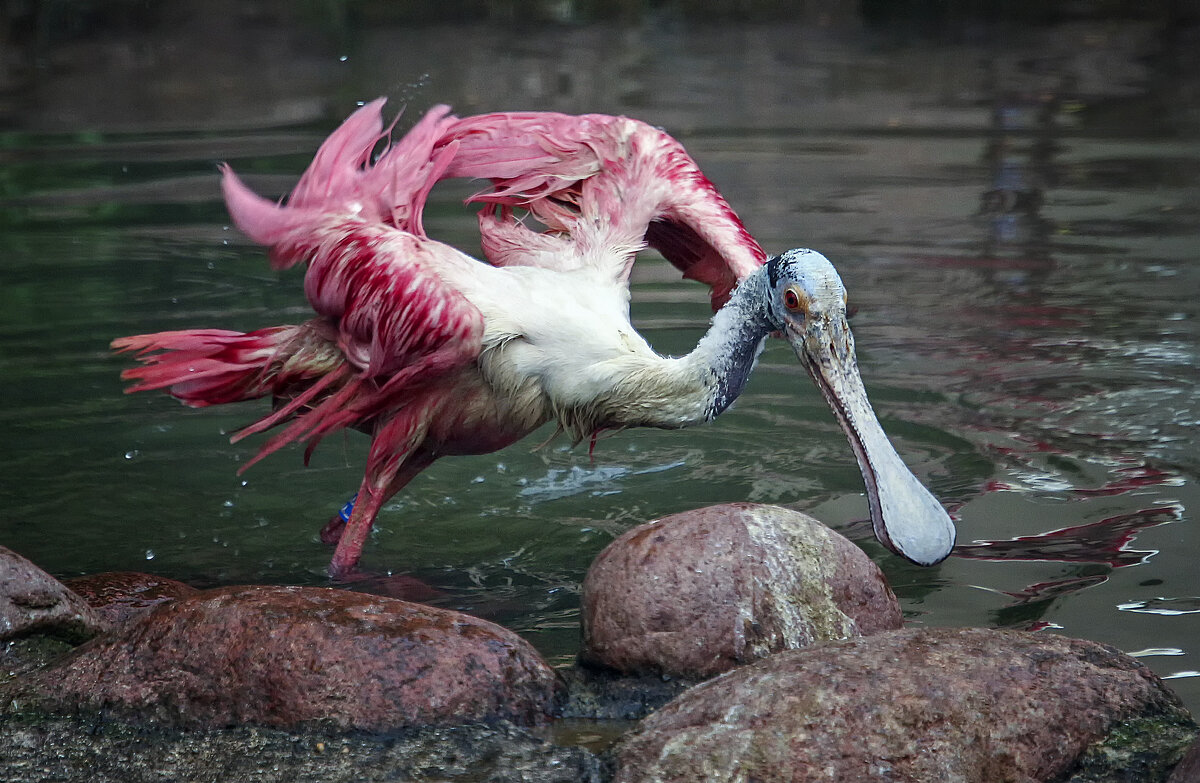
(908, 519)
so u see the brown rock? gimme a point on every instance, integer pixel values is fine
(1188, 769)
(697, 593)
(290, 656)
(32, 601)
(965, 705)
(119, 596)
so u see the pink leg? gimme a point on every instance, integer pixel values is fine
(374, 492)
(354, 536)
(337, 523)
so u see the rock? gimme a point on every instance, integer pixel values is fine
(1188, 770)
(1143, 749)
(82, 750)
(293, 656)
(695, 594)
(605, 695)
(25, 654)
(119, 596)
(967, 705)
(32, 601)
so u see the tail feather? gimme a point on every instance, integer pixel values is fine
(204, 367)
(317, 391)
(309, 420)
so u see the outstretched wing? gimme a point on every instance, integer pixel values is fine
(371, 272)
(344, 181)
(604, 187)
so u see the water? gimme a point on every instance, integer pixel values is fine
(1013, 208)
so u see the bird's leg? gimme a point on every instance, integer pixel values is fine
(337, 523)
(374, 492)
(358, 527)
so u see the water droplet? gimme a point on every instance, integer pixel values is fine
(149, 554)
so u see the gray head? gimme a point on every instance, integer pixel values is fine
(807, 304)
(804, 282)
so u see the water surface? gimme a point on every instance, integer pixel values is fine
(1015, 211)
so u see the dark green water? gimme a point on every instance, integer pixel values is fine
(1015, 210)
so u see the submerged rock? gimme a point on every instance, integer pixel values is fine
(695, 594)
(967, 705)
(33, 602)
(119, 596)
(292, 656)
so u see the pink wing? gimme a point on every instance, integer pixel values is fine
(604, 187)
(343, 181)
(371, 272)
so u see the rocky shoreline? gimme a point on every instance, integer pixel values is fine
(733, 643)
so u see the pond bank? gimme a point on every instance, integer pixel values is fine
(263, 683)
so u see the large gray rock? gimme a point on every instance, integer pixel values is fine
(947, 705)
(697, 593)
(293, 656)
(33, 602)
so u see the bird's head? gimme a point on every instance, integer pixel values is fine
(807, 304)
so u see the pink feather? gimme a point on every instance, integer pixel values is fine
(576, 173)
(393, 348)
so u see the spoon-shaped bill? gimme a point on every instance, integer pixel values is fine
(908, 519)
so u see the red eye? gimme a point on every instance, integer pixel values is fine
(791, 299)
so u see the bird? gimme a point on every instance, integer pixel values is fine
(434, 352)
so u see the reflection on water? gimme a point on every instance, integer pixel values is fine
(1013, 208)
(1106, 541)
(1167, 606)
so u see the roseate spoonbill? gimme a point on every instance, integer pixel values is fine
(435, 353)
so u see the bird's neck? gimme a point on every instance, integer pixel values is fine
(695, 388)
(728, 351)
